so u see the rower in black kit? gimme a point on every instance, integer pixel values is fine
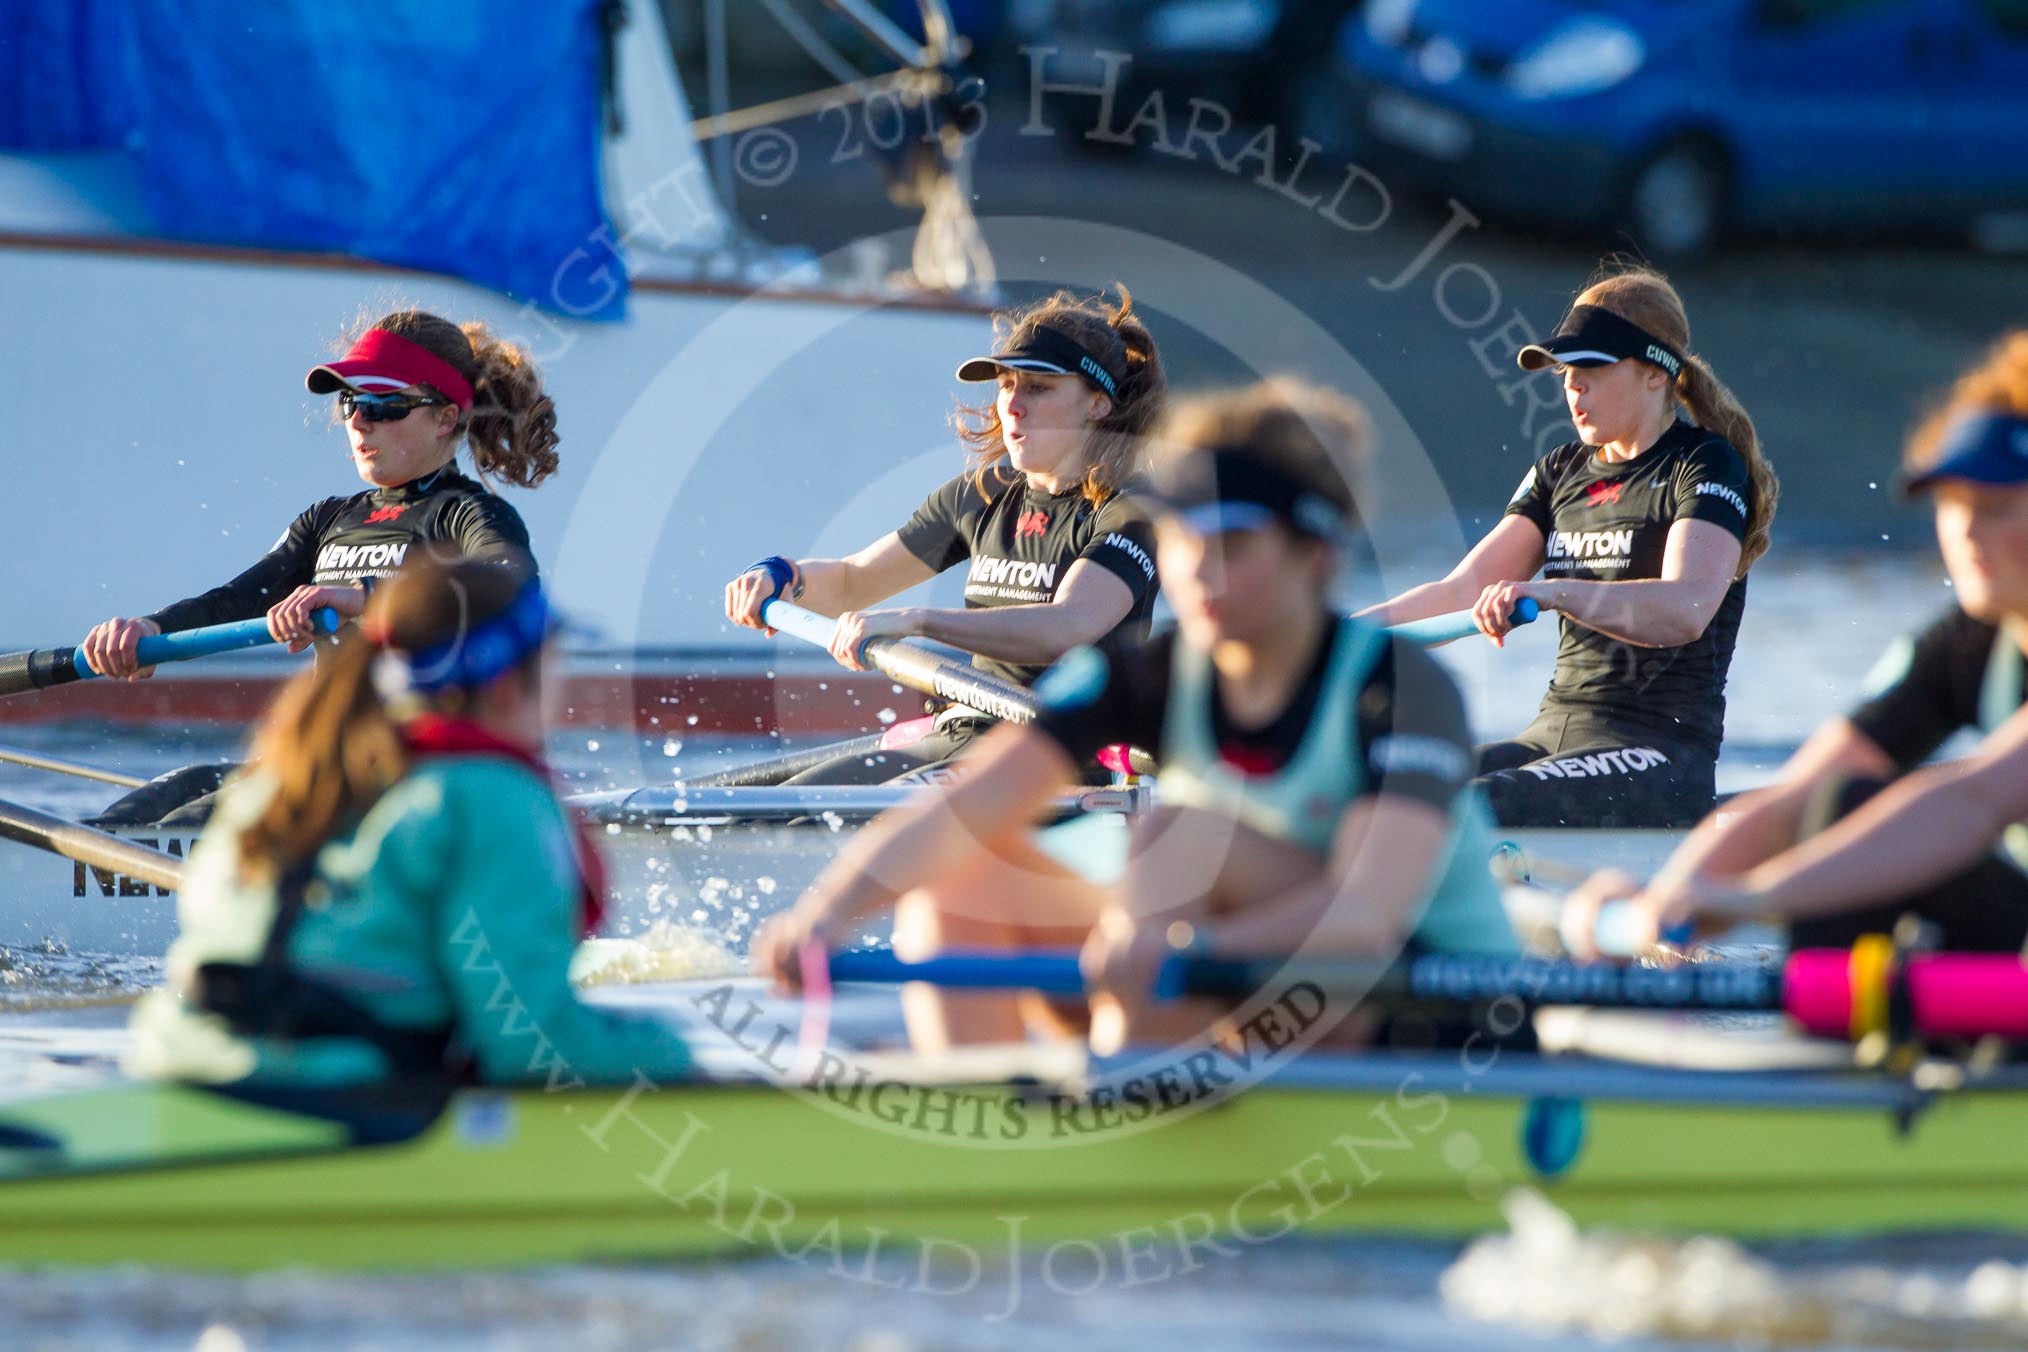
(1639, 534)
(411, 390)
(1017, 542)
(1050, 521)
(1626, 734)
(359, 540)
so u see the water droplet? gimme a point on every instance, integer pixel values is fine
(672, 746)
(591, 744)
(887, 716)
(692, 720)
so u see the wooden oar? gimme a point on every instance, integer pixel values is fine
(1828, 992)
(66, 767)
(87, 845)
(41, 668)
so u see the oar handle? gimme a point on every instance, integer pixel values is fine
(797, 622)
(1458, 624)
(156, 649)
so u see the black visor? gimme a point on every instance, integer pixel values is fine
(1589, 336)
(1052, 352)
(1231, 488)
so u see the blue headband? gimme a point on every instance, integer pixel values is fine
(477, 656)
(1983, 446)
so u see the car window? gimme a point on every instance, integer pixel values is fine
(2009, 17)
(1809, 13)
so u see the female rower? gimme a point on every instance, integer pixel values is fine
(410, 390)
(1643, 530)
(1314, 771)
(1048, 517)
(1928, 845)
(392, 889)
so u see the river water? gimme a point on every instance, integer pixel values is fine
(1814, 626)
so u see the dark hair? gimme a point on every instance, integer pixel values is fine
(512, 426)
(329, 742)
(1116, 335)
(1641, 295)
(1315, 436)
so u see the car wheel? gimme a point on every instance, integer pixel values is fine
(1676, 200)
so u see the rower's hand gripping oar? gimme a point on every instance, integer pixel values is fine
(1833, 992)
(41, 668)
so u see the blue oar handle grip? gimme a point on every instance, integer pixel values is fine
(797, 622)
(207, 642)
(1459, 624)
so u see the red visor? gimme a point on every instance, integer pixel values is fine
(381, 361)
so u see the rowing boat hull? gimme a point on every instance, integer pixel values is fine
(529, 1177)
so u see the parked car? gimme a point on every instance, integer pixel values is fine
(1678, 121)
(1249, 56)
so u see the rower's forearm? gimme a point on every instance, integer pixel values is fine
(828, 586)
(1911, 836)
(1749, 831)
(1031, 634)
(1443, 597)
(1647, 612)
(891, 856)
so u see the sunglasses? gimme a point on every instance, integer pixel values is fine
(383, 407)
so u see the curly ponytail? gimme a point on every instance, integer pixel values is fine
(1117, 445)
(512, 426)
(1643, 296)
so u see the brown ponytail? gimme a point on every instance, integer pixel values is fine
(1643, 296)
(329, 742)
(512, 426)
(1117, 445)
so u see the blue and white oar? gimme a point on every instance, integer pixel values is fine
(43, 667)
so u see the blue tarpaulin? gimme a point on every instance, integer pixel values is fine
(457, 136)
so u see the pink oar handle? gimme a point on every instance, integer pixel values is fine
(1950, 994)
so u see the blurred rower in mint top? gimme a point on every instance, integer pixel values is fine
(392, 890)
(1642, 531)
(1315, 769)
(1050, 520)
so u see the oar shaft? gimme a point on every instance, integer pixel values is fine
(156, 649)
(1443, 977)
(45, 667)
(100, 849)
(1827, 992)
(912, 665)
(774, 769)
(72, 768)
